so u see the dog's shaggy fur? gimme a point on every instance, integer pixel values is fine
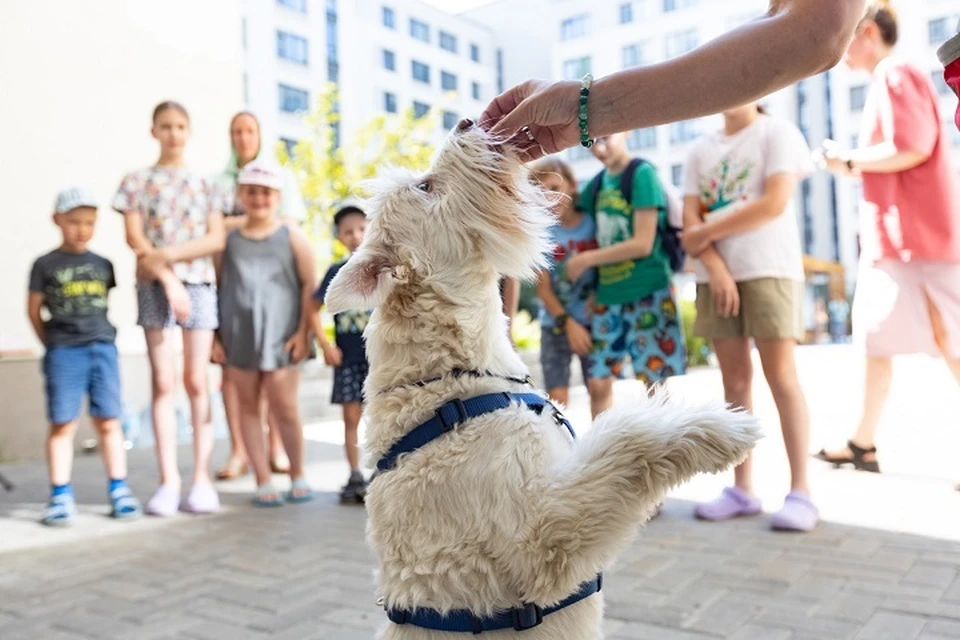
(506, 509)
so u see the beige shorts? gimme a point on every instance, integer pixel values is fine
(890, 311)
(770, 309)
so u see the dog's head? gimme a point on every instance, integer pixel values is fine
(473, 214)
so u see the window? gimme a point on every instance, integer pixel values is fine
(389, 18)
(858, 97)
(293, 100)
(626, 13)
(390, 102)
(291, 47)
(938, 31)
(684, 131)
(675, 5)
(499, 70)
(642, 139)
(419, 30)
(576, 68)
(448, 81)
(389, 60)
(575, 27)
(421, 71)
(681, 42)
(450, 120)
(243, 32)
(635, 55)
(475, 52)
(294, 5)
(448, 41)
(939, 83)
(420, 109)
(676, 174)
(475, 90)
(289, 144)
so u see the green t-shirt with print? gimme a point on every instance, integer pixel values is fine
(631, 280)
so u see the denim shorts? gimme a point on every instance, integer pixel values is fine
(555, 357)
(72, 372)
(155, 312)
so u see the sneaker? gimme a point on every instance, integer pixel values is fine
(60, 511)
(203, 498)
(356, 488)
(733, 502)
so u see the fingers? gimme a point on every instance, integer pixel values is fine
(504, 104)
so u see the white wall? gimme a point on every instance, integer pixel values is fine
(79, 81)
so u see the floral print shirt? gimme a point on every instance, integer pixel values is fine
(174, 203)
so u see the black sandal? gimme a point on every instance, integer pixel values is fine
(856, 459)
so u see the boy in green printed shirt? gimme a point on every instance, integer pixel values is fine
(636, 306)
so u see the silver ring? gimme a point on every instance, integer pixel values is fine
(526, 130)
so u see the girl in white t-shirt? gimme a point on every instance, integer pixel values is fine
(740, 223)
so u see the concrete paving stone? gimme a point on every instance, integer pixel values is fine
(891, 626)
(850, 607)
(953, 593)
(901, 590)
(814, 625)
(220, 630)
(725, 616)
(368, 618)
(759, 632)
(934, 609)
(643, 631)
(931, 575)
(943, 627)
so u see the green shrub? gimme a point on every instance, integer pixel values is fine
(698, 349)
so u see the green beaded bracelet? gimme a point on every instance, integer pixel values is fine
(584, 98)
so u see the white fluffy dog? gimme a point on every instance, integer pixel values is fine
(503, 513)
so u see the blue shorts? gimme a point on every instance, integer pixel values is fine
(648, 331)
(555, 357)
(71, 372)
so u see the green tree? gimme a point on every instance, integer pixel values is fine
(328, 174)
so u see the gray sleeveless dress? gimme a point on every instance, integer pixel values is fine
(260, 300)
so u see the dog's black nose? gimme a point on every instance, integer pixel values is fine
(465, 124)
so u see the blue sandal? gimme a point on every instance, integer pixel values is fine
(300, 491)
(267, 496)
(125, 504)
(60, 511)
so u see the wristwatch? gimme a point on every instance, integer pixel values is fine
(560, 323)
(850, 165)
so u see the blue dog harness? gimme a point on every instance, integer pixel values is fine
(445, 419)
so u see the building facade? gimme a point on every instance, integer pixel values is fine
(384, 56)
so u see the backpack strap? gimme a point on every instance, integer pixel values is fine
(626, 180)
(593, 188)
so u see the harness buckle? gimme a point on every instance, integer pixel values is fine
(527, 617)
(461, 416)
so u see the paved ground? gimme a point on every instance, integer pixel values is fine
(884, 564)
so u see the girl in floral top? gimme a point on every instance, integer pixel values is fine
(173, 223)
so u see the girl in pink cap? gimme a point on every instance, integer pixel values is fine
(267, 276)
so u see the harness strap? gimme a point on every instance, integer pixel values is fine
(520, 619)
(456, 412)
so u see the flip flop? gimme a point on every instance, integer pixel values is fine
(268, 496)
(301, 486)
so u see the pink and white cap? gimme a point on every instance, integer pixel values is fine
(261, 174)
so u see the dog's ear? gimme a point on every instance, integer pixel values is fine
(357, 284)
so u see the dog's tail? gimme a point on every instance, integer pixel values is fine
(615, 478)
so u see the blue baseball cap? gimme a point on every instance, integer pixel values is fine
(72, 197)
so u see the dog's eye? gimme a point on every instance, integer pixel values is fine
(426, 186)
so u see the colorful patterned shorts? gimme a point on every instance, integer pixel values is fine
(648, 331)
